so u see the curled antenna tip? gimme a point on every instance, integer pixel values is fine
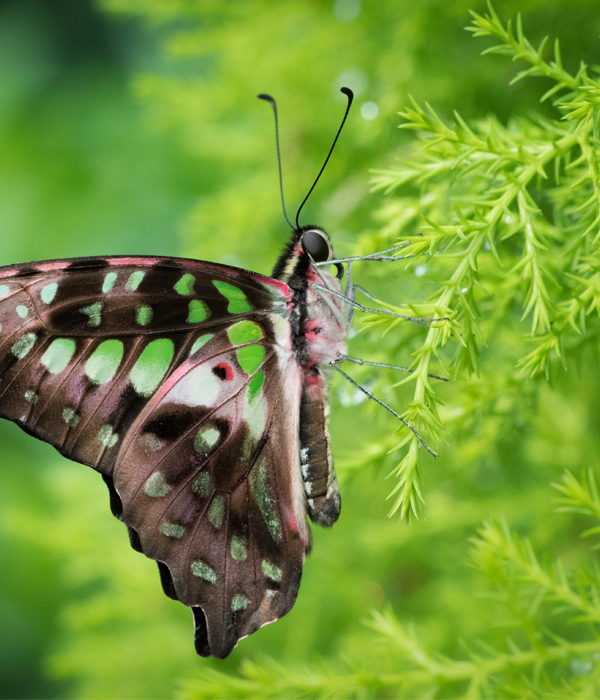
(273, 104)
(349, 94)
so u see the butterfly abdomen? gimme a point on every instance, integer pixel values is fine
(316, 461)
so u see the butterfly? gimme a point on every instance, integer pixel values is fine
(199, 392)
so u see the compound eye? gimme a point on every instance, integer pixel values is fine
(316, 245)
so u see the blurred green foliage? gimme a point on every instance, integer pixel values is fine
(87, 170)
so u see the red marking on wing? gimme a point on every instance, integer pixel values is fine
(280, 287)
(49, 267)
(228, 369)
(293, 525)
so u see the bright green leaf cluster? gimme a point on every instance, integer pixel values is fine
(528, 595)
(509, 212)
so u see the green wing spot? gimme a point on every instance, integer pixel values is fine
(23, 345)
(134, 281)
(22, 311)
(70, 418)
(152, 365)
(201, 342)
(250, 357)
(202, 570)
(238, 548)
(143, 315)
(109, 282)
(198, 311)
(185, 286)
(255, 385)
(4, 290)
(94, 312)
(239, 602)
(156, 486)
(172, 530)
(58, 355)
(105, 361)
(262, 494)
(49, 292)
(245, 332)
(238, 301)
(202, 485)
(106, 436)
(216, 512)
(271, 571)
(206, 438)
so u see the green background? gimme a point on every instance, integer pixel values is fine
(134, 128)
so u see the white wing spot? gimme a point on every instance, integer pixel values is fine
(22, 311)
(200, 387)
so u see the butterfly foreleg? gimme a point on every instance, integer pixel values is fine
(380, 256)
(380, 312)
(349, 292)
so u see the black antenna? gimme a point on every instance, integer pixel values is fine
(350, 95)
(269, 99)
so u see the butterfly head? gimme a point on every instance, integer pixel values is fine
(308, 245)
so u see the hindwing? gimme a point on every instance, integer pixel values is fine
(209, 480)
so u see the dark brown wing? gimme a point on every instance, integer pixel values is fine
(209, 480)
(84, 343)
(174, 379)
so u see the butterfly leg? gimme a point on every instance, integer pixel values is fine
(380, 256)
(358, 361)
(379, 312)
(350, 293)
(381, 403)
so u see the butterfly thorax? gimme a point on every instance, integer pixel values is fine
(318, 319)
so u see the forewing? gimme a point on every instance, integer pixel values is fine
(85, 343)
(209, 479)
